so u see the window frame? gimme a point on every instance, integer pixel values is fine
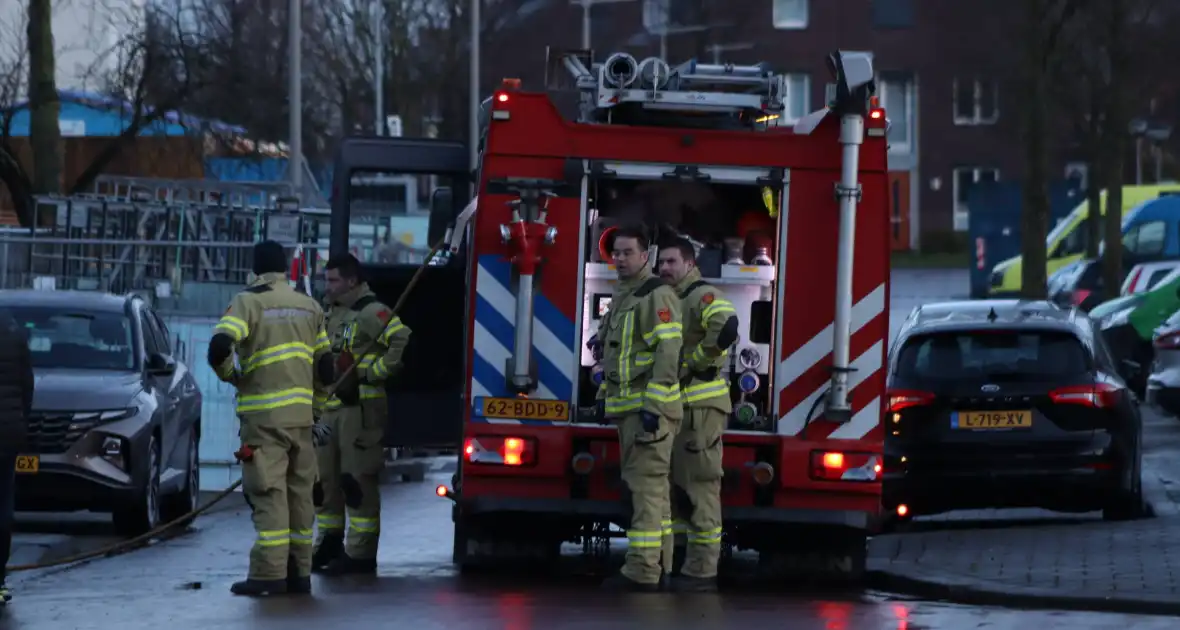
(960, 209)
(148, 333)
(795, 23)
(906, 85)
(790, 77)
(977, 117)
(163, 330)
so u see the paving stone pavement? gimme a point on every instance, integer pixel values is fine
(1043, 559)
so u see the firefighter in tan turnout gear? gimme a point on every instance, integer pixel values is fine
(639, 341)
(351, 462)
(710, 328)
(282, 351)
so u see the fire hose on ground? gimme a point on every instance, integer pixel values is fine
(123, 546)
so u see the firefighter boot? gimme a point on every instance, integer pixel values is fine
(259, 588)
(619, 583)
(345, 564)
(330, 548)
(299, 585)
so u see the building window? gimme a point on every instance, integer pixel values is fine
(893, 13)
(797, 101)
(977, 102)
(661, 15)
(967, 178)
(896, 94)
(790, 14)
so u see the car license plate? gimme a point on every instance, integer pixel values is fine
(523, 409)
(988, 420)
(28, 464)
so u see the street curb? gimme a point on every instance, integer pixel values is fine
(930, 583)
(936, 585)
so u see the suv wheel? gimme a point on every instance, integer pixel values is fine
(186, 501)
(141, 514)
(1127, 503)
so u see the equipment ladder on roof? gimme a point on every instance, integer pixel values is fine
(689, 87)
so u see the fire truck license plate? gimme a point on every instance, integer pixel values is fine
(523, 409)
(28, 464)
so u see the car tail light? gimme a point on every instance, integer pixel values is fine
(1079, 296)
(1100, 395)
(1170, 341)
(841, 466)
(902, 398)
(501, 451)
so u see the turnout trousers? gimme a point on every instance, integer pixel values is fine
(350, 472)
(277, 483)
(696, 477)
(646, 469)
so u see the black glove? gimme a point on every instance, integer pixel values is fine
(600, 412)
(651, 422)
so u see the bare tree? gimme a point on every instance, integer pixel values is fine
(152, 69)
(14, 74)
(44, 106)
(149, 65)
(1044, 23)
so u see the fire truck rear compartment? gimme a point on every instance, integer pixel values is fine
(529, 511)
(734, 228)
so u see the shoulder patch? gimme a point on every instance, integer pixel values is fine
(707, 298)
(665, 315)
(383, 315)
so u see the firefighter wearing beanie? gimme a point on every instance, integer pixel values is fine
(281, 348)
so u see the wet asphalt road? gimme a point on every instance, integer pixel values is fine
(182, 584)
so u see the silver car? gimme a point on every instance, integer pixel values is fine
(1163, 384)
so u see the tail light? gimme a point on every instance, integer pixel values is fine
(840, 466)
(501, 451)
(1170, 341)
(1079, 296)
(1099, 396)
(902, 398)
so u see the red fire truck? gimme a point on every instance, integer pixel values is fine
(792, 224)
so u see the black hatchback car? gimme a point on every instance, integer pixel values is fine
(1006, 403)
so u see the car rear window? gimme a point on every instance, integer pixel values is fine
(993, 355)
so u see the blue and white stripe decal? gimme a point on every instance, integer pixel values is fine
(495, 314)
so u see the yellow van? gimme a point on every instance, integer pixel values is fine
(1066, 242)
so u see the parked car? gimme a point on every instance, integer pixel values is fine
(1150, 215)
(1081, 286)
(116, 424)
(1129, 322)
(1163, 383)
(1145, 276)
(1006, 403)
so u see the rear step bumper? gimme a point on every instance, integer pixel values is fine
(611, 510)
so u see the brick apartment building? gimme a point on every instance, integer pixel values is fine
(941, 65)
